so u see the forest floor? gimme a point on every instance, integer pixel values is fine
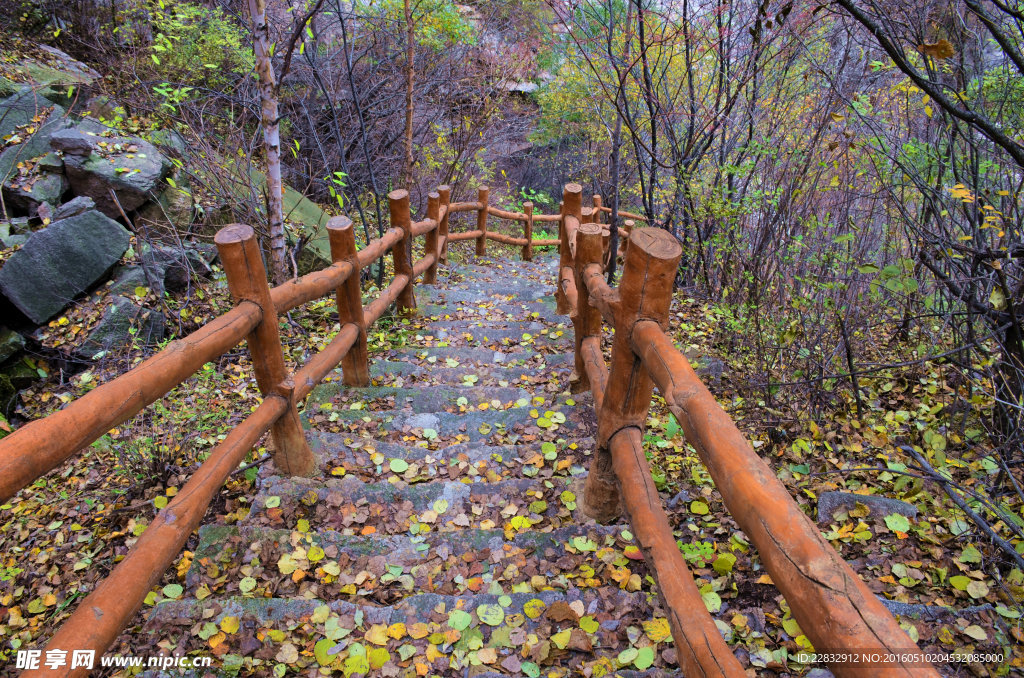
(71, 527)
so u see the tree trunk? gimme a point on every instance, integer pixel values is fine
(271, 139)
(410, 80)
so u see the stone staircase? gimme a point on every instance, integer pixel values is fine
(442, 536)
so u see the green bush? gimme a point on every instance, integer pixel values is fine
(194, 45)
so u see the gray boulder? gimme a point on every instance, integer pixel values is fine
(130, 167)
(60, 262)
(122, 324)
(10, 343)
(27, 193)
(73, 207)
(830, 502)
(33, 146)
(127, 278)
(73, 142)
(20, 108)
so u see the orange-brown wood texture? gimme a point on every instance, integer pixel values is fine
(355, 365)
(247, 281)
(445, 192)
(833, 606)
(483, 196)
(398, 204)
(430, 242)
(528, 231)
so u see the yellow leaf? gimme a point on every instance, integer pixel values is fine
(396, 631)
(378, 634)
(657, 630)
(229, 625)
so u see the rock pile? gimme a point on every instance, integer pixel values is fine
(69, 186)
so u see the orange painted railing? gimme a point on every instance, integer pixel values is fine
(834, 608)
(41, 446)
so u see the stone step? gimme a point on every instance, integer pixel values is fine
(394, 506)
(459, 334)
(386, 569)
(503, 358)
(457, 627)
(368, 459)
(358, 401)
(408, 374)
(457, 310)
(484, 292)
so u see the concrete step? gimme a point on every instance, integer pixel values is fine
(408, 374)
(396, 505)
(385, 569)
(265, 625)
(368, 459)
(505, 357)
(358, 400)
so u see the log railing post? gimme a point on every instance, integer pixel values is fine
(624, 242)
(646, 294)
(528, 232)
(483, 196)
(587, 322)
(442, 229)
(398, 204)
(597, 209)
(355, 366)
(571, 206)
(430, 241)
(247, 281)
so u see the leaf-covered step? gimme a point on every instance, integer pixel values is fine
(484, 292)
(457, 335)
(524, 311)
(396, 373)
(369, 459)
(334, 395)
(577, 632)
(350, 506)
(262, 562)
(447, 427)
(506, 357)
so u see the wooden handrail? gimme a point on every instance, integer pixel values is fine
(40, 446)
(834, 607)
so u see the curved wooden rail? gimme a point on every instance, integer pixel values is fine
(835, 609)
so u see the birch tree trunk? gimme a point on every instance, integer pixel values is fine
(271, 139)
(410, 79)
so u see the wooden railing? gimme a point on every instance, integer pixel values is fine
(834, 608)
(42, 445)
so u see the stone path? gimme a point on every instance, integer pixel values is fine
(442, 535)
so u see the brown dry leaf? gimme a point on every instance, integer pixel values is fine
(937, 50)
(561, 612)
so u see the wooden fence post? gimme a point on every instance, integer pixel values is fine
(528, 230)
(445, 192)
(398, 204)
(597, 209)
(355, 366)
(483, 196)
(587, 322)
(646, 294)
(247, 281)
(430, 241)
(571, 206)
